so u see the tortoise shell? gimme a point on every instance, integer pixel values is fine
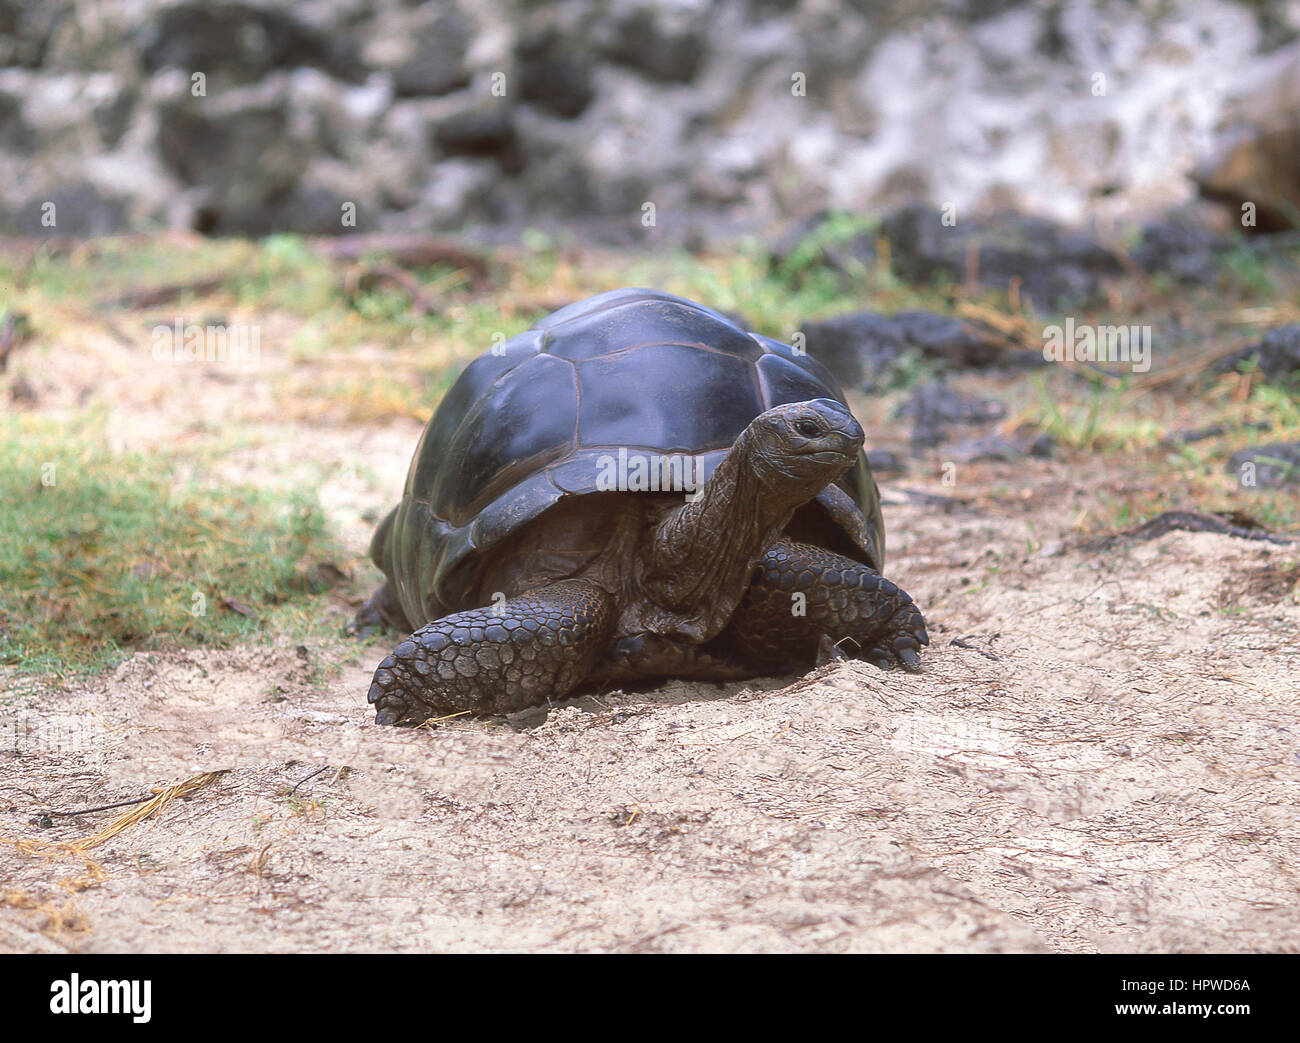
(527, 424)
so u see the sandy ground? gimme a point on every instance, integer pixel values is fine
(1111, 763)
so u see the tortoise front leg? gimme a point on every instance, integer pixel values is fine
(538, 646)
(849, 603)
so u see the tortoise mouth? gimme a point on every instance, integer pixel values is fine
(828, 456)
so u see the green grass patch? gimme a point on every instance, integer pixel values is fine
(103, 553)
(1101, 417)
(839, 232)
(106, 268)
(1247, 273)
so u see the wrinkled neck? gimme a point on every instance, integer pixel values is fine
(702, 551)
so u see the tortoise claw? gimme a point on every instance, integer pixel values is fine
(829, 651)
(899, 645)
(880, 659)
(392, 704)
(903, 648)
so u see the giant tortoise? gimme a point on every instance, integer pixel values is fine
(635, 488)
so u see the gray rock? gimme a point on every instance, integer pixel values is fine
(555, 74)
(859, 348)
(1277, 355)
(1190, 435)
(312, 209)
(111, 115)
(461, 187)
(80, 209)
(245, 160)
(885, 460)
(863, 348)
(1189, 252)
(934, 407)
(1016, 446)
(437, 65)
(686, 104)
(1053, 266)
(15, 133)
(242, 43)
(26, 29)
(487, 131)
(663, 43)
(1272, 465)
(944, 338)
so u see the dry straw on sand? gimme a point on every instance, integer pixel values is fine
(153, 806)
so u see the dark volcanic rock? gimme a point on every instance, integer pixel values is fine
(724, 115)
(884, 460)
(1278, 355)
(245, 160)
(15, 134)
(554, 74)
(946, 338)
(861, 348)
(242, 43)
(1267, 465)
(666, 45)
(80, 209)
(1019, 444)
(215, 149)
(438, 64)
(934, 406)
(1054, 267)
(310, 209)
(1190, 435)
(858, 348)
(26, 29)
(1187, 251)
(112, 116)
(482, 132)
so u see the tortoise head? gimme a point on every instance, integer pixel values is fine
(801, 447)
(703, 550)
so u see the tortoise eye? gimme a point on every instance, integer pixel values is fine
(807, 428)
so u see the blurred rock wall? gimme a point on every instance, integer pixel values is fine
(240, 117)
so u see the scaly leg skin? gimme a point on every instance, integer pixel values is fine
(846, 604)
(538, 646)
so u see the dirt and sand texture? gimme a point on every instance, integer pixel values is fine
(1101, 753)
